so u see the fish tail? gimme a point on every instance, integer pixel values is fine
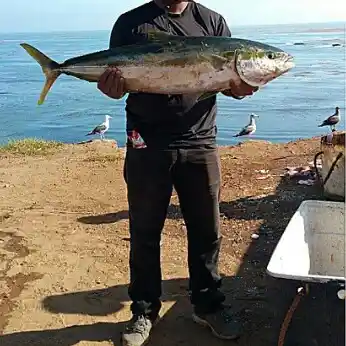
(49, 67)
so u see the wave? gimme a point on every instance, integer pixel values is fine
(321, 42)
(8, 40)
(324, 30)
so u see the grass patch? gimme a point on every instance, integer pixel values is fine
(30, 147)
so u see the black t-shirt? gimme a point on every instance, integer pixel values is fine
(174, 121)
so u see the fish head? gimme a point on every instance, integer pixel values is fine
(258, 65)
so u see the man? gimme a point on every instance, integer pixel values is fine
(171, 141)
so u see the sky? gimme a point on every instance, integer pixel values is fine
(66, 15)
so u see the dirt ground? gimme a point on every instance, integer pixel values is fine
(64, 251)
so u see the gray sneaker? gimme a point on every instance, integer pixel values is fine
(137, 331)
(223, 323)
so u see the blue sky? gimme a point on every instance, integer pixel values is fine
(52, 15)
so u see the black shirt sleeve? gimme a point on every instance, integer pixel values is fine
(121, 33)
(222, 28)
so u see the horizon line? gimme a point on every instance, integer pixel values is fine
(233, 26)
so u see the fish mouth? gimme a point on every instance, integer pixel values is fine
(289, 62)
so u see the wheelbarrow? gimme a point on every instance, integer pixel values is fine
(311, 250)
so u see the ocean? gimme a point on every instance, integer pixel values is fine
(290, 107)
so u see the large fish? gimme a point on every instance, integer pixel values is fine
(168, 64)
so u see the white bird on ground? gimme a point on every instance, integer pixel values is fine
(332, 120)
(250, 128)
(101, 129)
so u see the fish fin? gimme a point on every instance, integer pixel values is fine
(216, 60)
(161, 36)
(206, 95)
(219, 61)
(228, 55)
(49, 67)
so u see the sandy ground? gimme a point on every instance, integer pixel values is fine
(64, 251)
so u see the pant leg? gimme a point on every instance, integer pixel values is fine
(197, 180)
(149, 188)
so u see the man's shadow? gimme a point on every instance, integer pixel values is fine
(68, 336)
(261, 300)
(172, 213)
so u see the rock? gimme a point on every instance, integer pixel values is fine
(264, 177)
(308, 182)
(109, 142)
(262, 171)
(4, 216)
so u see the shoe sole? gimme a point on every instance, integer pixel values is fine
(144, 343)
(147, 340)
(205, 323)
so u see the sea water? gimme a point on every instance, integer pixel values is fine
(290, 107)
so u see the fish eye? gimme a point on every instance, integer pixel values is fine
(270, 55)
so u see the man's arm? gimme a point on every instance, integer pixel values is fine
(222, 28)
(111, 82)
(119, 34)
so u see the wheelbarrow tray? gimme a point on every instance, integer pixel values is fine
(312, 247)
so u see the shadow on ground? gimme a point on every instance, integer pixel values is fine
(172, 213)
(261, 300)
(68, 336)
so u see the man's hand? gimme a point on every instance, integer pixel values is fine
(112, 84)
(238, 89)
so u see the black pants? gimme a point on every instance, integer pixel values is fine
(150, 175)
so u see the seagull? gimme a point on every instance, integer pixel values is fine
(332, 120)
(101, 129)
(250, 128)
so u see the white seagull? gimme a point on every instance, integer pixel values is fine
(332, 120)
(250, 128)
(101, 129)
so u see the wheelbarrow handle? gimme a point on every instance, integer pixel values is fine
(331, 169)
